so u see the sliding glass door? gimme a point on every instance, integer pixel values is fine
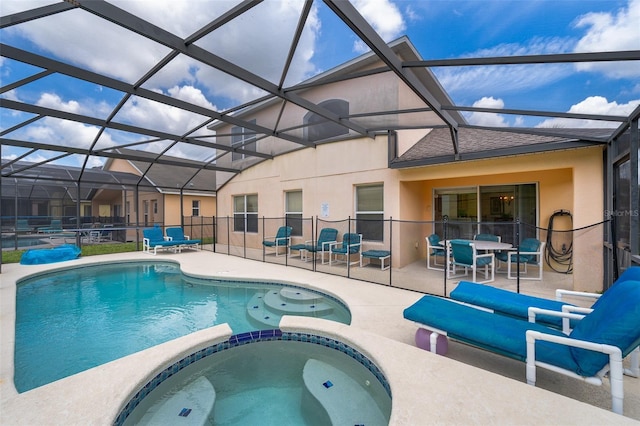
(488, 210)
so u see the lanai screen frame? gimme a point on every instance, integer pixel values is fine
(442, 112)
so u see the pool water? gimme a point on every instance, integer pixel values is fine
(262, 384)
(79, 318)
(25, 241)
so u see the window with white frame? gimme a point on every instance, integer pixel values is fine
(195, 208)
(293, 211)
(245, 213)
(242, 138)
(370, 212)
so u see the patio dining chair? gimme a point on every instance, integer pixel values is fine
(435, 250)
(463, 253)
(531, 253)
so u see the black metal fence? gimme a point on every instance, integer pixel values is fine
(397, 249)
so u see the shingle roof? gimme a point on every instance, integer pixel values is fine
(476, 143)
(165, 177)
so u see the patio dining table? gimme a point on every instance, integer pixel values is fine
(480, 245)
(487, 245)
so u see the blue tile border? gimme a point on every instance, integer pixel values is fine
(244, 339)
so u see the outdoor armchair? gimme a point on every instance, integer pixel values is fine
(351, 244)
(281, 239)
(327, 237)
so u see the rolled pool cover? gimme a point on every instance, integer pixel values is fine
(52, 255)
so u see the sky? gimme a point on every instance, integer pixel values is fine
(439, 29)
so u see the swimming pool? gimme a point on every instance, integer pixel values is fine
(275, 379)
(25, 241)
(72, 320)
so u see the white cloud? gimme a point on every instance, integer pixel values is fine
(105, 48)
(593, 105)
(609, 32)
(487, 118)
(383, 16)
(154, 115)
(51, 100)
(483, 80)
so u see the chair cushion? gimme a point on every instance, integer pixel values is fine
(376, 254)
(175, 233)
(507, 302)
(154, 235)
(462, 252)
(496, 333)
(615, 320)
(482, 261)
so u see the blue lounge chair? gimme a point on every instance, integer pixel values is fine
(593, 349)
(22, 225)
(54, 227)
(517, 305)
(281, 239)
(350, 245)
(176, 234)
(153, 239)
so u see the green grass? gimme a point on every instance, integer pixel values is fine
(14, 256)
(88, 250)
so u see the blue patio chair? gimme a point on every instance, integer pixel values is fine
(531, 253)
(176, 234)
(281, 239)
(435, 250)
(351, 244)
(327, 237)
(22, 225)
(487, 237)
(54, 227)
(463, 253)
(153, 239)
(593, 350)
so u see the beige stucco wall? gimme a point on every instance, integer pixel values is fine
(172, 207)
(570, 180)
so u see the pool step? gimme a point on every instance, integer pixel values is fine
(333, 394)
(267, 308)
(191, 405)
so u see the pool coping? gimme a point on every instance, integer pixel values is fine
(426, 388)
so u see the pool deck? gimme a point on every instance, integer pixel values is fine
(466, 386)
